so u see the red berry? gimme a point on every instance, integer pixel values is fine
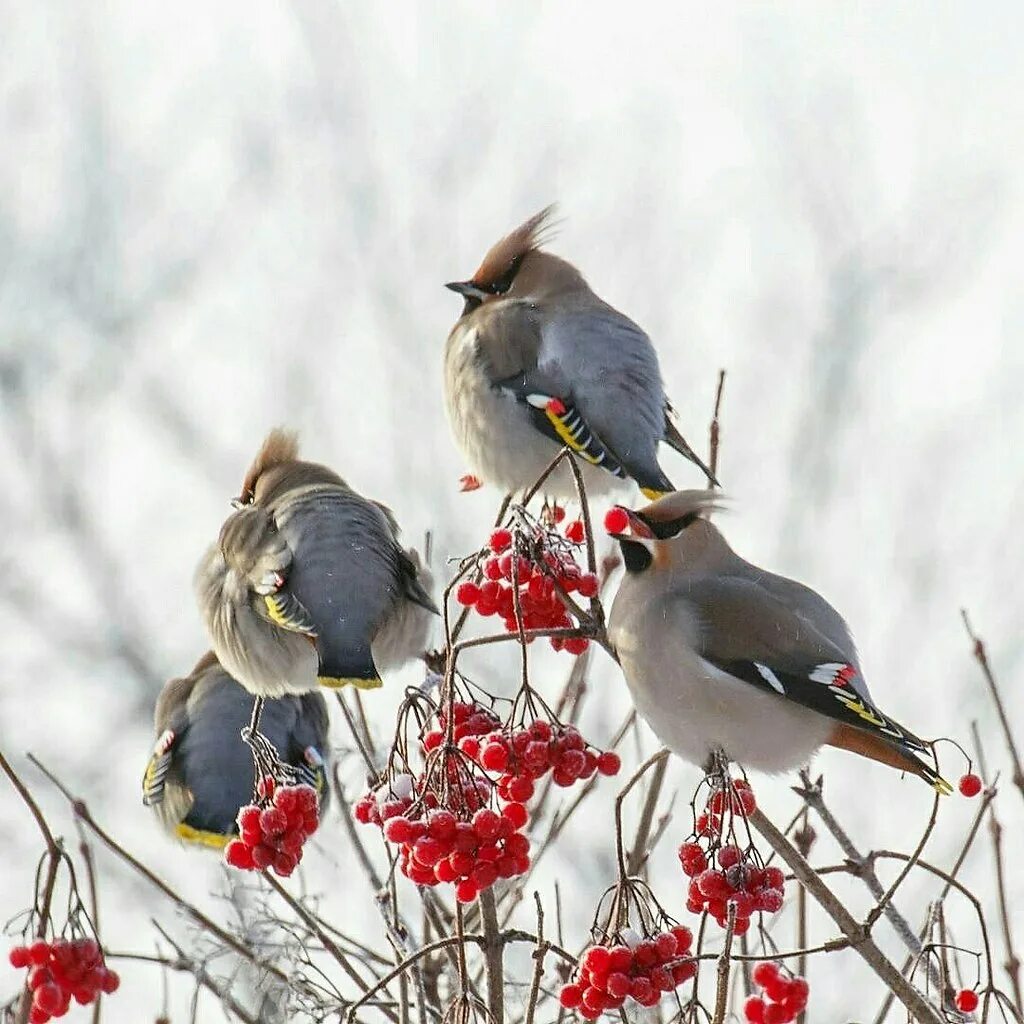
(970, 785)
(798, 993)
(273, 821)
(620, 958)
(684, 939)
(111, 981)
(48, 998)
(728, 856)
(666, 945)
(37, 1016)
(238, 855)
(966, 999)
(596, 960)
(753, 1010)
(262, 856)
(467, 593)
(643, 991)
(486, 823)
(617, 985)
(609, 763)
(571, 996)
(575, 644)
(575, 532)
(616, 520)
(19, 956)
(466, 891)
(285, 863)
(501, 540)
(776, 1013)
(646, 954)
(765, 973)
(516, 813)
(520, 789)
(39, 952)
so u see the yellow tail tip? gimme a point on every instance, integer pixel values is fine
(336, 683)
(941, 786)
(651, 494)
(201, 836)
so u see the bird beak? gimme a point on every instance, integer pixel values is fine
(466, 288)
(635, 526)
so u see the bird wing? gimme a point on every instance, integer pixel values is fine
(759, 638)
(588, 379)
(346, 576)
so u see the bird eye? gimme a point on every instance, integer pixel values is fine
(503, 283)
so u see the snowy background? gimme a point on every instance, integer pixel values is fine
(217, 218)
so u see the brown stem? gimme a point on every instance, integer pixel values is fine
(715, 429)
(913, 1000)
(494, 956)
(722, 970)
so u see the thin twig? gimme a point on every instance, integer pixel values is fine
(538, 962)
(981, 656)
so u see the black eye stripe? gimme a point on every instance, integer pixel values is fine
(672, 527)
(503, 283)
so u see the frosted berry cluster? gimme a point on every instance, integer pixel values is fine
(641, 969)
(547, 561)
(465, 844)
(273, 835)
(722, 873)
(60, 971)
(523, 756)
(782, 997)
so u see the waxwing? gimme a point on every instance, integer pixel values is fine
(538, 361)
(722, 656)
(201, 772)
(308, 583)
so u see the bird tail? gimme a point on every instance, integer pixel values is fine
(676, 440)
(872, 746)
(348, 667)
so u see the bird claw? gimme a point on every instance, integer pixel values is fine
(469, 482)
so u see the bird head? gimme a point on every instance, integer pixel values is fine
(516, 267)
(277, 468)
(668, 532)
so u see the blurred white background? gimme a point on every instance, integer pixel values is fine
(217, 218)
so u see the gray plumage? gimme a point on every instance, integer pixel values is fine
(308, 582)
(721, 655)
(201, 772)
(532, 330)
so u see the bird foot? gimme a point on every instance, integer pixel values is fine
(469, 482)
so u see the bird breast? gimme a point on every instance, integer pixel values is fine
(693, 707)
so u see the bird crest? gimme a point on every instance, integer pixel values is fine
(510, 250)
(280, 446)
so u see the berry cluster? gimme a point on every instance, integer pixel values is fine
(640, 969)
(782, 997)
(272, 835)
(60, 971)
(464, 843)
(722, 873)
(736, 880)
(525, 755)
(970, 785)
(547, 563)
